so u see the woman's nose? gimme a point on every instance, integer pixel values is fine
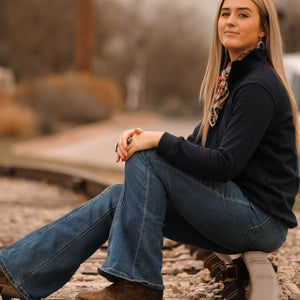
(231, 20)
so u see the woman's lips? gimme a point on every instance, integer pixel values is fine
(231, 33)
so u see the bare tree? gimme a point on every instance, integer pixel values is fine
(167, 49)
(84, 48)
(37, 37)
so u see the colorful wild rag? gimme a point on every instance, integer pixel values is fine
(222, 92)
(221, 95)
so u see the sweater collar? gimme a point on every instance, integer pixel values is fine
(240, 67)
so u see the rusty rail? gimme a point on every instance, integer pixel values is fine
(248, 276)
(76, 181)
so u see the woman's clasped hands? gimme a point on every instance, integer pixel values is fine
(134, 140)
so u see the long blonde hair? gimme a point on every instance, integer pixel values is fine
(219, 58)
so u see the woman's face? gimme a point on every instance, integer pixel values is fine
(239, 27)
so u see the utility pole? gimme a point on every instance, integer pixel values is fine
(84, 44)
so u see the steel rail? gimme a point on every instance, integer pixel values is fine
(263, 280)
(74, 180)
(249, 275)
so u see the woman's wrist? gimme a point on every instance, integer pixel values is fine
(157, 137)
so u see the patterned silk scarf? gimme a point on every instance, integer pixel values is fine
(221, 93)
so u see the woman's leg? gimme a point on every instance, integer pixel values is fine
(161, 199)
(46, 259)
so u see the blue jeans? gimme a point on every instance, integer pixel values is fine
(155, 200)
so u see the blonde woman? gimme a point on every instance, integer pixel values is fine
(229, 187)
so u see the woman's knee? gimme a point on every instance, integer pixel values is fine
(113, 189)
(110, 195)
(142, 158)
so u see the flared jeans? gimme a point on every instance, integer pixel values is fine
(155, 200)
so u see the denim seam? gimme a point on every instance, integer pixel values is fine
(67, 246)
(142, 225)
(251, 230)
(236, 200)
(12, 280)
(261, 224)
(146, 162)
(114, 223)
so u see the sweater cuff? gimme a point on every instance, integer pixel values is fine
(166, 145)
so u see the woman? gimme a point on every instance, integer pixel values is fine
(230, 187)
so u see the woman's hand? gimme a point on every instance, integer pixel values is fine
(135, 140)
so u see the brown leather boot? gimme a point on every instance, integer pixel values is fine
(123, 290)
(7, 291)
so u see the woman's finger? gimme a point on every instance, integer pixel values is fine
(119, 154)
(124, 142)
(124, 138)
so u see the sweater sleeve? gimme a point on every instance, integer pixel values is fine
(193, 137)
(252, 112)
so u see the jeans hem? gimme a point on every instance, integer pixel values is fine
(112, 272)
(12, 281)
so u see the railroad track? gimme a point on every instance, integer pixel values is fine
(246, 276)
(249, 275)
(76, 181)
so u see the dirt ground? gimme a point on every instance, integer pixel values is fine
(27, 205)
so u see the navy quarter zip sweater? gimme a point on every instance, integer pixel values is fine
(252, 144)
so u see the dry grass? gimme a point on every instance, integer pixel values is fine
(70, 97)
(16, 121)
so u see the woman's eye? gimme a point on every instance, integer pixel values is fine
(243, 16)
(225, 14)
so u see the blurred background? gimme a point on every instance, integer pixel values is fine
(75, 73)
(64, 63)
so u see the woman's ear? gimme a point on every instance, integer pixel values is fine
(262, 33)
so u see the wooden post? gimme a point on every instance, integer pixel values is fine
(84, 44)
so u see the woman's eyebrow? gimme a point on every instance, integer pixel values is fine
(239, 8)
